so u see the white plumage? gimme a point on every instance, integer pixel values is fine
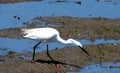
(48, 34)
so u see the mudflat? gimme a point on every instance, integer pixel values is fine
(69, 58)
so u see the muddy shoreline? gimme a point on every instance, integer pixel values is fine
(72, 27)
(70, 58)
(87, 28)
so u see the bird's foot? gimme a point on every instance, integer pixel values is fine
(33, 61)
(58, 65)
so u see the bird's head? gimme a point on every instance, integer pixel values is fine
(72, 41)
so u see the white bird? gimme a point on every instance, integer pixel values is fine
(48, 34)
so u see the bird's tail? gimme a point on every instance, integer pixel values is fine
(26, 30)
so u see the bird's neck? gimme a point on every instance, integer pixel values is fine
(59, 39)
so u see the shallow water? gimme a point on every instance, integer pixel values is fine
(26, 45)
(104, 68)
(26, 11)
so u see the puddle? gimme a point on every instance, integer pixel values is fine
(14, 15)
(104, 68)
(26, 45)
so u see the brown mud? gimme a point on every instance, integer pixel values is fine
(69, 58)
(91, 28)
(73, 27)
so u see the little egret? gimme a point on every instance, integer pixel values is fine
(48, 34)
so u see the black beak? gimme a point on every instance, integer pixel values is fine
(85, 51)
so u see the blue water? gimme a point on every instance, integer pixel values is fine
(28, 10)
(96, 68)
(25, 45)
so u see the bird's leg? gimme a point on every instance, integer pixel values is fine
(56, 64)
(49, 54)
(34, 51)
